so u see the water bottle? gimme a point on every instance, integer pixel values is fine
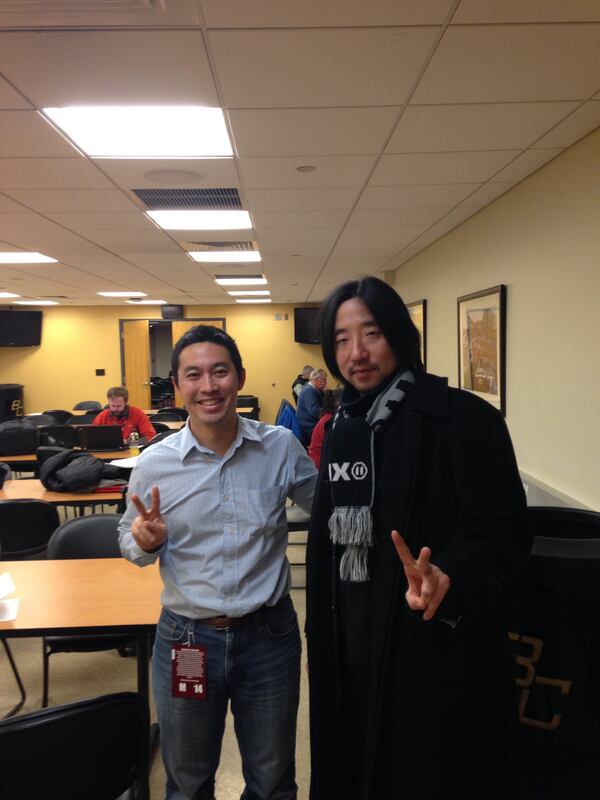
(134, 443)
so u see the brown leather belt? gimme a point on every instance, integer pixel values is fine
(223, 623)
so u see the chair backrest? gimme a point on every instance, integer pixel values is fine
(45, 451)
(93, 536)
(286, 418)
(58, 415)
(40, 419)
(165, 416)
(84, 405)
(60, 435)
(555, 631)
(95, 748)
(158, 438)
(83, 419)
(181, 412)
(159, 427)
(25, 528)
(247, 400)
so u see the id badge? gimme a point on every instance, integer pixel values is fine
(188, 671)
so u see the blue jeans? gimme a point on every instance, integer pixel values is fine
(255, 665)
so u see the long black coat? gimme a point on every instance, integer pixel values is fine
(441, 698)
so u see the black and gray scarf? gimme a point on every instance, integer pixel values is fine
(352, 469)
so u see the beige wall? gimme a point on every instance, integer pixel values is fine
(541, 239)
(78, 340)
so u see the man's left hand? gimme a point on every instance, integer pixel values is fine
(427, 584)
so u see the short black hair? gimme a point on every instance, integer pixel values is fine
(389, 312)
(206, 333)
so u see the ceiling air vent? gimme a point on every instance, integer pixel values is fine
(189, 199)
(217, 247)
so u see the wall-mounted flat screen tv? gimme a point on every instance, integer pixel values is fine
(306, 326)
(20, 328)
(171, 312)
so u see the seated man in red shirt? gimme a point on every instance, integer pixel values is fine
(129, 418)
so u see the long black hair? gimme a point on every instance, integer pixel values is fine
(389, 312)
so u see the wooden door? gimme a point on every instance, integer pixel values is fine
(179, 327)
(136, 361)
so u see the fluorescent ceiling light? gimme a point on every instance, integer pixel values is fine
(225, 256)
(258, 300)
(25, 258)
(253, 292)
(231, 220)
(146, 302)
(35, 303)
(145, 131)
(122, 294)
(240, 280)
(9, 294)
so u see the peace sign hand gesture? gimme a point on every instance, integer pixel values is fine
(149, 529)
(427, 584)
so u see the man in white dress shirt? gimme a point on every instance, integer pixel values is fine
(209, 503)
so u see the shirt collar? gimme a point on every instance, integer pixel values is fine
(246, 430)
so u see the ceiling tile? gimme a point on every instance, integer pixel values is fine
(10, 98)
(575, 127)
(25, 221)
(7, 205)
(503, 63)
(484, 126)
(301, 199)
(142, 173)
(281, 173)
(377, 217)
(487, 193)
(74, 200)
(422, 168)
(525, 164)
(316, 13)
(88, 67)
(470, 11)
(85, 13)
(427, 196)
(312, 131)
(82, 223)
(329, 67)
(48, 173)
(26, 133)
(298, 219)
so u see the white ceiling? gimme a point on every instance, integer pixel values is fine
(415, 113)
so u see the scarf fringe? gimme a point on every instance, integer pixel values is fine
(351, 525)
(354, 564)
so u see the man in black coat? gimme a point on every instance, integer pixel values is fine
(418, 532)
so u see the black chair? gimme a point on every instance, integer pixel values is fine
(297, 521)
(159, 427)
(95, 748)
(158, 438)
(82, 419)
(87, 405)
(25, 528)
(46, 451)
(59, 435)
(555, 631)
(165, 416)
(59, 416)
(40, 419)
(94, 536)
(181, 412)
(248, 401)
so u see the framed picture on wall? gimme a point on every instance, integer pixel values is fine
(482, 344)
(418, 314)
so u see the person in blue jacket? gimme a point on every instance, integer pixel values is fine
(310, 403)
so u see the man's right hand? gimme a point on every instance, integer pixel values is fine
(149, 529)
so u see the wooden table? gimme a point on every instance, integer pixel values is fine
(33, 489)
(87, 596)
(29, 461)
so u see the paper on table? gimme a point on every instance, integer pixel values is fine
(8, 608)
(124, 462)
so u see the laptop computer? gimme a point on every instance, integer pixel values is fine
(101, 437)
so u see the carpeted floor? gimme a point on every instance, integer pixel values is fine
(74, 676)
